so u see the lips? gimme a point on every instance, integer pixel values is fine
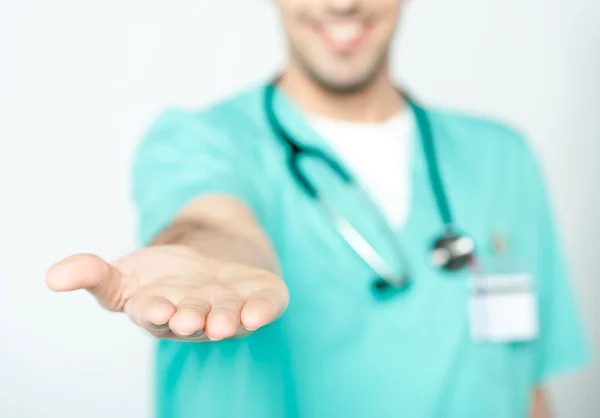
(344, 36)
(344, 32)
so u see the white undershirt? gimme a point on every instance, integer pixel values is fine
(379, 156)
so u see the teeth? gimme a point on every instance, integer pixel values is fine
(343, 32)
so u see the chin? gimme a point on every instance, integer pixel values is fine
(345, 79)
(342, 75)
(348, 85)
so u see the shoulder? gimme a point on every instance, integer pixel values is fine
(496, 154)
(221, 130)
(484, 140)
(230, 116)
(478, 131)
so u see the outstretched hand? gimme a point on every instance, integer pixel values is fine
(176, 293)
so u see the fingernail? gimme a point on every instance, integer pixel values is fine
(195, 336)
(158, 328)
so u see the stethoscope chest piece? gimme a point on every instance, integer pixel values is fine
(452, 252)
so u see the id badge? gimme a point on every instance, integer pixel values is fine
(503, 308)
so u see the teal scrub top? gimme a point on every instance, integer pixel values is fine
(337, 351)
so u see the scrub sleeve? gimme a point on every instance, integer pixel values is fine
(182, 158)
(561, 345)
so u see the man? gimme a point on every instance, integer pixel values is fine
(231, 238)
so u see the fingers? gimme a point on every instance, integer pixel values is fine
(263, 307)
(223, 321)
(214, 315)
(150, 311)
(89, 272)
(190, 318)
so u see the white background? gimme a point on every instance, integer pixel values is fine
(80, 81)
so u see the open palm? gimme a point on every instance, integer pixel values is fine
(174, 292)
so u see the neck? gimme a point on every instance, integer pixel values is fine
(376, 102)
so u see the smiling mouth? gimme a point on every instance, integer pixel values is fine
(343, 36)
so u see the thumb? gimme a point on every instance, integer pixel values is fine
(90, 272)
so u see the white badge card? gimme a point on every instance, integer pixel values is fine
(503, 308)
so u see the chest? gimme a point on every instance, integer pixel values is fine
(379, 157)
(328, 279)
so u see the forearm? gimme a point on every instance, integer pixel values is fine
(223, 229)
(539, 405)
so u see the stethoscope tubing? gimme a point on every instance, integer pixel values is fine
(451, 251)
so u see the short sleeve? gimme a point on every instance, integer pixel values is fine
(561, 345)
(182, 157)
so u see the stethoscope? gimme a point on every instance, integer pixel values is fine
(452, 251)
